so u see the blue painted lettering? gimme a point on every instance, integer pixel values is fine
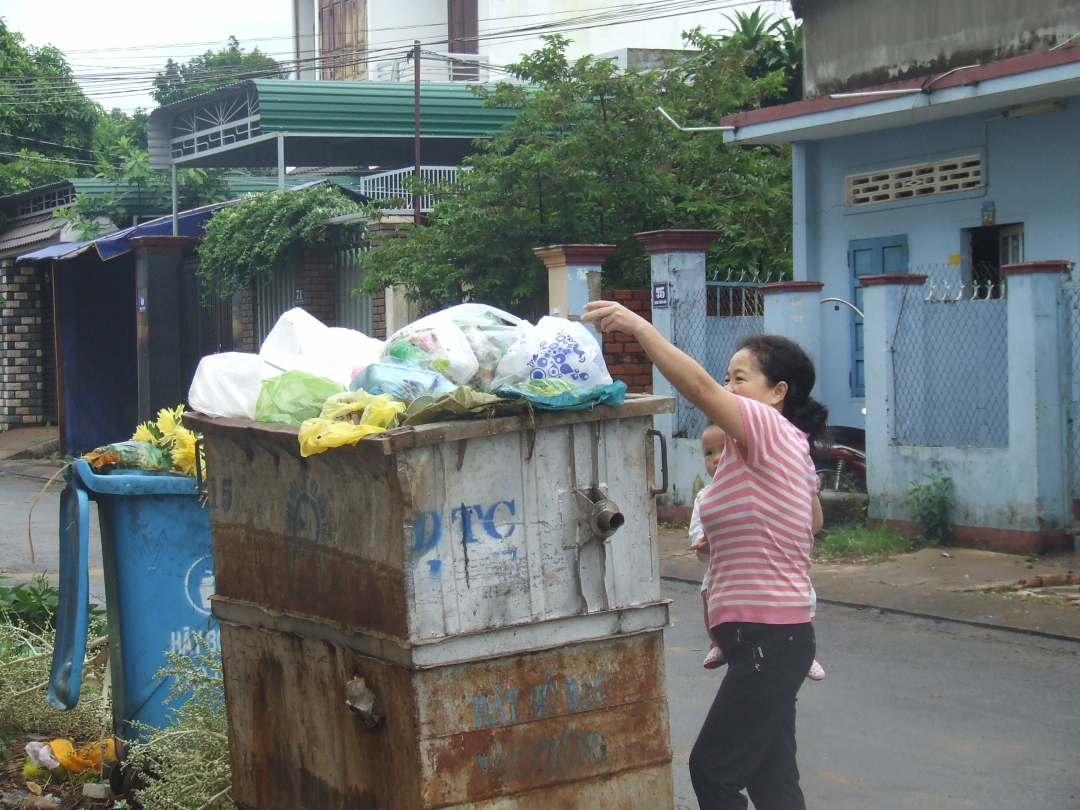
(489, 520)
(427, 531)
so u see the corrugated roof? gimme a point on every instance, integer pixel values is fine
(28, 232)
(326, 123)
(376, 108)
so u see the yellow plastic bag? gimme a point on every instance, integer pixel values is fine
(318, 435)
(341, 406)
(379, 411)
(86, 758)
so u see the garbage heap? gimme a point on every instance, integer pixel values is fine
(469, 361)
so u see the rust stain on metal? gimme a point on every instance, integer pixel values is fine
(284, 572)
(502, 727)
(513, 690)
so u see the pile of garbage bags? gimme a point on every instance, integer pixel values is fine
(468, 361)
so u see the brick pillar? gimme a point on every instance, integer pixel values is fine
(793, 309)
(22, 345)
(158, 316)
(677, 259)
(573, 278)
(315, 282)
(625, 358)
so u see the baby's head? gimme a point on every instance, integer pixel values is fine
(712, 446)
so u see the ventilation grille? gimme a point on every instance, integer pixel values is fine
(918, 180)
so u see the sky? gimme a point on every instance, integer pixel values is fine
(116, 47)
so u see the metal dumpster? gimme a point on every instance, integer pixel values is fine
(496, 584)
(159, 576)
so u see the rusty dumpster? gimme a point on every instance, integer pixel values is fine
(495, 583)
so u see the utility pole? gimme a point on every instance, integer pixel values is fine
(416, 131)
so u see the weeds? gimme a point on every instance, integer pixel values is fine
(187, 763)
(860, 542)
(931, 503)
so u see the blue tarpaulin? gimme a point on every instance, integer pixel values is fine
(117, 244)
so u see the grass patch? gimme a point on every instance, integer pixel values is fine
(860, 543)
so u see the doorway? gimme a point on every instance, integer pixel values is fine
(989, 248)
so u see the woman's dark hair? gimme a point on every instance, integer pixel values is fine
(784, 360)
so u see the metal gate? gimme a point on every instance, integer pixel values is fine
(208, 323)
(353, 311)
(1069, 310)
(273, 296)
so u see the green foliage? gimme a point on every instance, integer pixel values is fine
(212, 70)
(931, 502)
(590, 160)
(188, 761)
(138, 192)
(245, 241)
(25, 661)
(857, 542)
(116, 125)
(31, 604)
(46, 123)
(775, 45)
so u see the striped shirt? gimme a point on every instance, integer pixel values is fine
(757, 515)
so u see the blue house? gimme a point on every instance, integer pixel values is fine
(936, 175)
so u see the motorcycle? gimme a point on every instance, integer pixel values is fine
(840, 459)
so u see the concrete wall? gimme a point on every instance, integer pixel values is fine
(1030, 166)
(858, 43)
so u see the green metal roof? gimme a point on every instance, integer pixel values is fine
(323, 123)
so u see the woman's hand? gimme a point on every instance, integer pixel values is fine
(614, 317)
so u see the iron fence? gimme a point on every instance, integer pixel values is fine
(950, 362)
(708, 326)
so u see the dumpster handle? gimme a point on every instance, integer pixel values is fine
(200, 473)
(662, 489)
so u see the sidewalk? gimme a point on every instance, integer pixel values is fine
(927, 583)
(28, 451)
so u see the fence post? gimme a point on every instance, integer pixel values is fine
(574, 279)
(677, 259)
(1037, 440)
(882, 299)
(793, 309)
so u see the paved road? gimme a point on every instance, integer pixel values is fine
(17, 493)
(1004, 733)
(912, 713)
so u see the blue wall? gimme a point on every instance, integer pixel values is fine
(1031, 170)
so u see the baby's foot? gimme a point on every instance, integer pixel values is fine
(715, 658)
(816, 672)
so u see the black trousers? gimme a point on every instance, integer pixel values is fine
(748, 740)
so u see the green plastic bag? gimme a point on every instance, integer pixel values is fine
(294, 396)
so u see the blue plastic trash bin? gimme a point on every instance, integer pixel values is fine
(159, 576)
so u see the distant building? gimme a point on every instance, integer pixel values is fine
(934, 176)
(369, 39)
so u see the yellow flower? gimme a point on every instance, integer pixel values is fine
(143, 433)
(168, 421)
(183, 452)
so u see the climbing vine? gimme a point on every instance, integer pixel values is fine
(245, 241)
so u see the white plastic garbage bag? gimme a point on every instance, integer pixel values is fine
(435, 342)
(558, 349)
(491, 334)
(301, 342)
(228, 384)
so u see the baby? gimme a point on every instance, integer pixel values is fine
(712, 447)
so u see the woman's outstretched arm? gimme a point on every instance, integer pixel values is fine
(683, 372)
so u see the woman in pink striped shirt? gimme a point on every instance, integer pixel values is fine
(760, 514)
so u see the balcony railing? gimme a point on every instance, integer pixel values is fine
(391, 185)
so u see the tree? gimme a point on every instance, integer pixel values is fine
(775, 45)
(46, 123)
(117, 124)
(138, 192)
(212, 70)
(589, 160)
